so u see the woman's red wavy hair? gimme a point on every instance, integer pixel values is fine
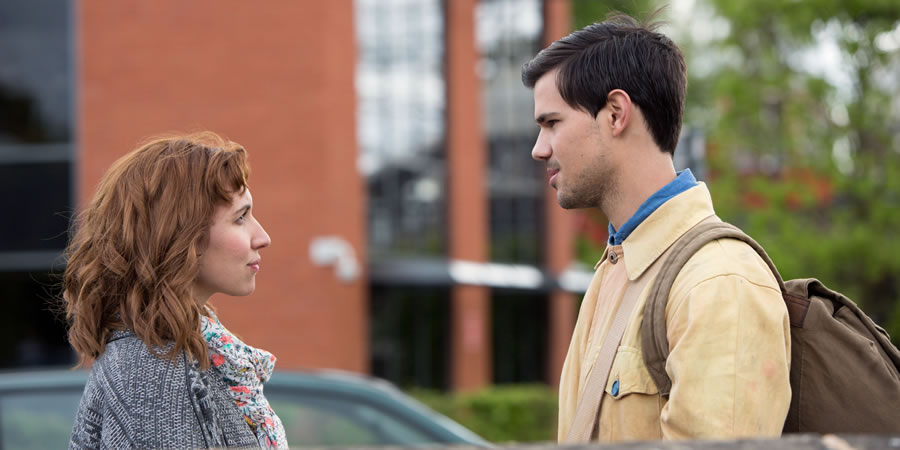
(133, 255)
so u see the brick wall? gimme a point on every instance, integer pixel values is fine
(277, 79)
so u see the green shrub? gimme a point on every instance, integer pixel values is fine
(506, 413)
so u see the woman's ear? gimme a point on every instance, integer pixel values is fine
(620, 107)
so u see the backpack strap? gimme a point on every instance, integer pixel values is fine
(655, 345)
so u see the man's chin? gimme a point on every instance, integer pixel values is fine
(566, 201)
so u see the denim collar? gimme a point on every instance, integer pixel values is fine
(682, 182)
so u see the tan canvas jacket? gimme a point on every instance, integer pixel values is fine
(728, 332)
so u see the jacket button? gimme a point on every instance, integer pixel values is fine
(615, 388)
(613, 257)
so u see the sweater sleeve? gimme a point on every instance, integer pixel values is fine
(88, 426)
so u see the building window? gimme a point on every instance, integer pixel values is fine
(35, 132)
(35, 176)
(519, 328)
(410, 335)
(508, 35)
(32, 335)
(401, 125)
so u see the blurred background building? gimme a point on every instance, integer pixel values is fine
(413, 236)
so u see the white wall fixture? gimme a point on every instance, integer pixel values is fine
(496, 275)
(576, 278)
(336, 251)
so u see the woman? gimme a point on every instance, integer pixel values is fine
(170, 225)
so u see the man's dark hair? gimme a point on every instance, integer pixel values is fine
(619, 53)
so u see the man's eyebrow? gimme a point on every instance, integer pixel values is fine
(242, 209)
(544, 117)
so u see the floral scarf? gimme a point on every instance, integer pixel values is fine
(245, 369)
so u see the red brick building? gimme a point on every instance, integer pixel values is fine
(413, 237)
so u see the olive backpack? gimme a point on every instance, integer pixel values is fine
(845, 373)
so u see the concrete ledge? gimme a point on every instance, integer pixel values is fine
(792, 442)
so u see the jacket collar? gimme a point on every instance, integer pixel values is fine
(115, 335)
(663, 227)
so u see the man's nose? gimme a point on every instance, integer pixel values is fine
(541, 150)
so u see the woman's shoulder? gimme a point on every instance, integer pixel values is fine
(128, 363)
(144, 391)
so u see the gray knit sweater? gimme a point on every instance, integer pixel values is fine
(134, 399)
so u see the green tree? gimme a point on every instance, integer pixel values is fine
(798, 101)
(802, 125)
(586, 12)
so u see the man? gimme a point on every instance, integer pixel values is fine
(609, 101)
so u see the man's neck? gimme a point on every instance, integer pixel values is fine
(636, 184)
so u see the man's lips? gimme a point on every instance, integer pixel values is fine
(254, 266)
(552, 174)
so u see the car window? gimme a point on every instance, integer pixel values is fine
(37, 420)
(316, 420)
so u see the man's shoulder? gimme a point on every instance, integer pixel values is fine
(723, 274)
(726, 259)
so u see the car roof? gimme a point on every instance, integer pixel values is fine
(42, 379)
(373, 390)
(353, 386)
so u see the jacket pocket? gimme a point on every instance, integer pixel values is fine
(629, 375)
(631, 405)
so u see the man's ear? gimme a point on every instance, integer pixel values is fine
(620, 111)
